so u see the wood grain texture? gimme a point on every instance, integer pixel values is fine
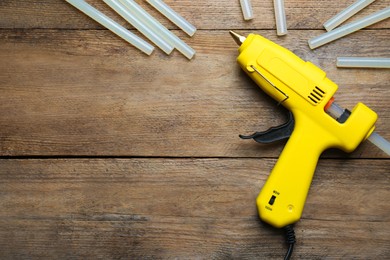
(188, 208)
(204, 14)
(106, 153)
(68, 94)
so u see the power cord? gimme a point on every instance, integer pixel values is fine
(290, 239)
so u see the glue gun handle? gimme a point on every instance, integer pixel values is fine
(283, 196)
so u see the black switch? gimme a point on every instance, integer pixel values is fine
(272, 200)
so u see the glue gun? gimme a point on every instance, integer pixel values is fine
(315, 124)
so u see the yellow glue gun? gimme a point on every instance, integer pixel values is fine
(316, 124)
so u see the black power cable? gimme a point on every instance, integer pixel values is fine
(290, 239)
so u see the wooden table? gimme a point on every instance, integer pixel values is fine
(108, 153)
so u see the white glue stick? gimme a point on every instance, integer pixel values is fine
(112, 26)
(247, 10)
(122, 11)
(349, 28)
(346, 14)
(158, 28)
(363, 62)
(280, 17)
(173, 16)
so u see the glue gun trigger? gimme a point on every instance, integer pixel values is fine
(274, 134)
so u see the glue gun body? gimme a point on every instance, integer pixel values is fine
(303, 89)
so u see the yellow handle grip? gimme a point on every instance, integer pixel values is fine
(283, 196)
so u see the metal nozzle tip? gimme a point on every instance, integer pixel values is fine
(239, 39)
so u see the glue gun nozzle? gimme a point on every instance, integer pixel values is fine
(239, 39)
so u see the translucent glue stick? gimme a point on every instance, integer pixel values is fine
(122, 11)
(346, 13)
(112, 26)
(246, 8)
(349, 28)
(280, 17)
(173, 16)
(157, 27)
(363, 62)
(380, 142)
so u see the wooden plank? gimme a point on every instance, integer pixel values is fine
(88, 93)
(70, 89)
(184, 208)
(204, 14)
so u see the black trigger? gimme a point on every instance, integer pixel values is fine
(274, 134)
